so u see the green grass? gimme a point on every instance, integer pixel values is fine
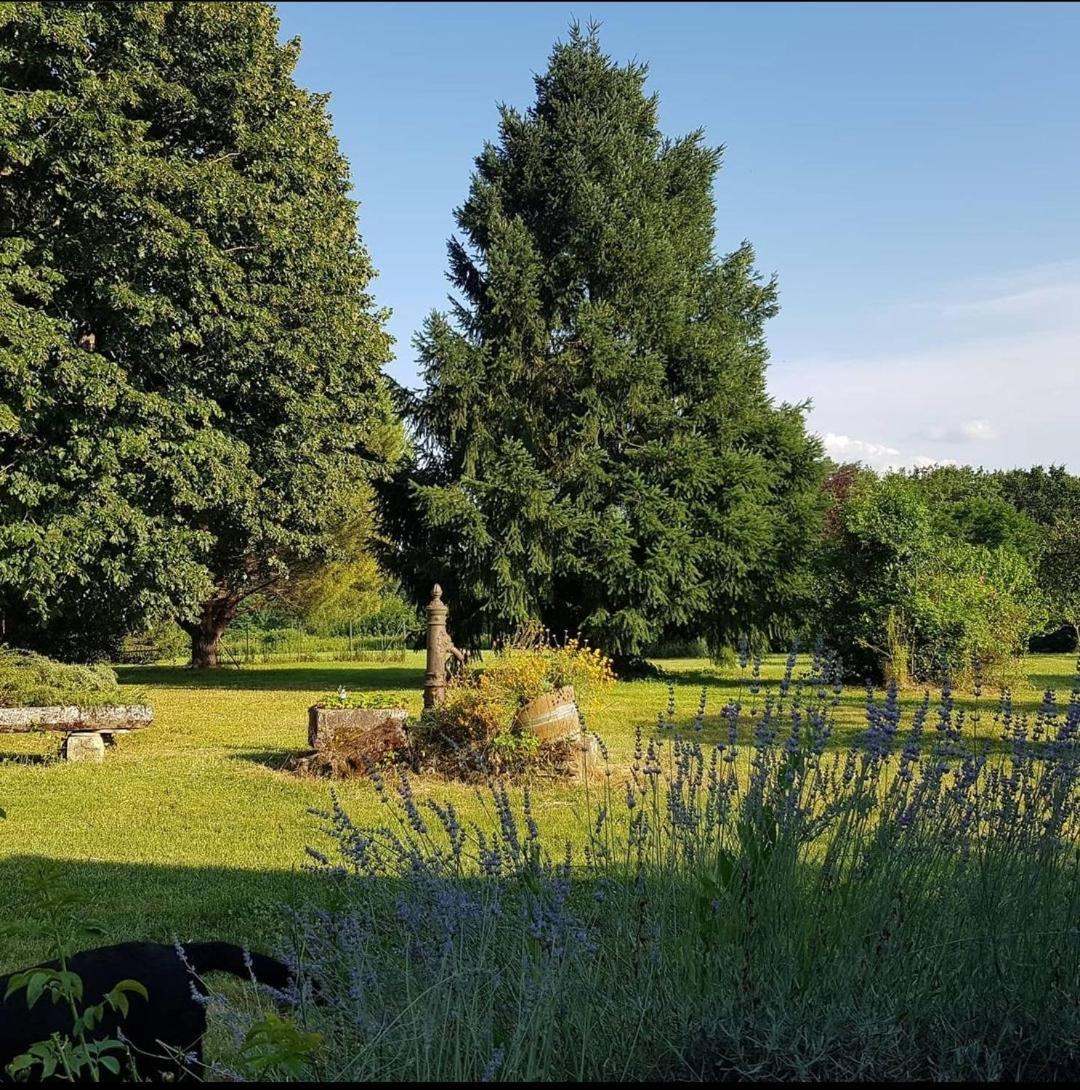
(191, 830)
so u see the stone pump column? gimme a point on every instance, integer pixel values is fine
(437, 640)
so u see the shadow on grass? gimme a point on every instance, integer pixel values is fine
(273, 759)
(28, 758)
(153, 902)
(1056, 682)
(355, 676)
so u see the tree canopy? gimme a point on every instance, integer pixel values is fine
(596, 445)
(906, 593)
(190, 383)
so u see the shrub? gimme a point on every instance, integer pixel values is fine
(30, 680)
(759, 907)
(901, 599)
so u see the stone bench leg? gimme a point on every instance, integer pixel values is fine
(83, 746)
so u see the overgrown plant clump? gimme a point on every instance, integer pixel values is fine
(748, 902)
(31, 680)
(475, 730)
(345, 699)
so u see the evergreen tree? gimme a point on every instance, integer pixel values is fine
(596, 446)
(190, 383)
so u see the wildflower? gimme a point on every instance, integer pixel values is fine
(491, 1068)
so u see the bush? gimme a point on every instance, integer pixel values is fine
(900, 599)
(28, 679)
(763, 907)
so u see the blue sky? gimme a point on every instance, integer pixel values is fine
(910, 172)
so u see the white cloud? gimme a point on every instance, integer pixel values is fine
(924, 461)
(843, 448)
(968, 431)
(1009, 389)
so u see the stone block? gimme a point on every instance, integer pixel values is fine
(331, 727)
(69, 717)
(84, 746)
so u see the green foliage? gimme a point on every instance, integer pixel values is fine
(905, 594)
(970, 604)
(31, 680)
(971, 505)
(1059, 571)
(1045, 495)
(275, 1048)
(190, 386)
(344, 699)
(596, 445)
(80, 1055)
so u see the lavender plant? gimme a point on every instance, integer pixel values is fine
(761, 907)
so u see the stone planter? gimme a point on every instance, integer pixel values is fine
(326, 726)
(350, 741)
(552, 716)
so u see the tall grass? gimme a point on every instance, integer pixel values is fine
(903, 909)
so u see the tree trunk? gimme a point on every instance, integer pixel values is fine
(207, 631)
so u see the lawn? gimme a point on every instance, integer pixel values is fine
(192, 830)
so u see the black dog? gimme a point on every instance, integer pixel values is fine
(173, 1020)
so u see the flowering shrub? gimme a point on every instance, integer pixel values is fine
(474, 731)
(744, 903)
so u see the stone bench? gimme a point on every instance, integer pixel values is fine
(86, 730)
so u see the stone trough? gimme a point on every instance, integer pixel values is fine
(87, 731)
(343, 739)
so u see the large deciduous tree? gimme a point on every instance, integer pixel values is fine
(597, 448)
(190, 359)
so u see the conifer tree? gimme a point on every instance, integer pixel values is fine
(596, 445)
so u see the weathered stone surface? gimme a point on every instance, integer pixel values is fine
(328, 726)
(69, 717)
(83, 746)
(349, 741)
